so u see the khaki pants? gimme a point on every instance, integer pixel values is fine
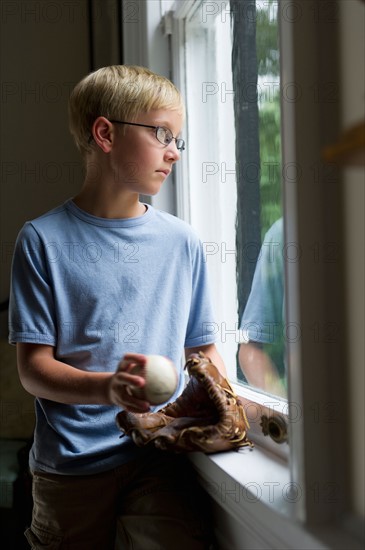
(149, 504)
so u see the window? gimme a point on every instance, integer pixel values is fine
(230, 57)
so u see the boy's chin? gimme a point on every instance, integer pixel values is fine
(150, 191)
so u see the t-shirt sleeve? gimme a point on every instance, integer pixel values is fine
(262, 319)
(201, 327)
(31, 309)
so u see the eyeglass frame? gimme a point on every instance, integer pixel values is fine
(156, 128)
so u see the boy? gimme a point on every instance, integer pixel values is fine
(97, 284)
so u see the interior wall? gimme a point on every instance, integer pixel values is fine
(44, 52)
(46, 48)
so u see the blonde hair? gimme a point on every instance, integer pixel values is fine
(118, 92)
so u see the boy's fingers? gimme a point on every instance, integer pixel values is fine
(130, 361)
(124, 378)
(124, 381)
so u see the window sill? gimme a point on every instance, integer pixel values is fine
(253, 489)
(247, 477)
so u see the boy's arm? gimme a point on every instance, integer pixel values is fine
(259, 369)
(210, 351)
(43, 376)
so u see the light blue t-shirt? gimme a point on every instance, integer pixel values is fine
(95, 289)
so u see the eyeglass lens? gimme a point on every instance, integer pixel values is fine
(165, 136)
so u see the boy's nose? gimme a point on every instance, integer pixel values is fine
(172, 152)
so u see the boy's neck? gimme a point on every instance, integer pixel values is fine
(103, 195)
(105, 205)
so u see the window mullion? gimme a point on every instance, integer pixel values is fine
(178, 72)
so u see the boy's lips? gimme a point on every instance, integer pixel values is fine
(165, 171)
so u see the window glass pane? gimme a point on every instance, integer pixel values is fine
(234, 147)
(259, 242)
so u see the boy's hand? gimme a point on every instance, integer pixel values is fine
(122, 381)
(207, 417)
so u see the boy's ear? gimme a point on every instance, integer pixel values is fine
(103, 133)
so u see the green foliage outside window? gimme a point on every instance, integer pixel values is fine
(268, 62)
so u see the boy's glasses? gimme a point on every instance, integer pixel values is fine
(163, 135)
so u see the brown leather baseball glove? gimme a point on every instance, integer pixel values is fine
(207, 416)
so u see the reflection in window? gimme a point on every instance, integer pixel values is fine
(259, 235)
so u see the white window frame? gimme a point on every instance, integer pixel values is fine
(321, 526)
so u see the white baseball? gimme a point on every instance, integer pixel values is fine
(161, 379)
